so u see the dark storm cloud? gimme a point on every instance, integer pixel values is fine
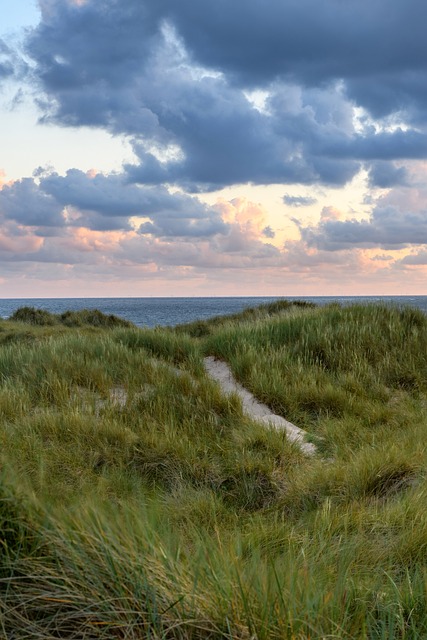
(224, 140)
(298, 201)
(377, 47)
(25, 203)
(172, 75)
(136, 21)
(389, 227)
(377, 146)
(111, 195)
(386, 174)
(265, 39)
(105, 195)
(105, 202)
(399, 89)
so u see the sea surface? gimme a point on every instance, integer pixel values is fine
(150, 312)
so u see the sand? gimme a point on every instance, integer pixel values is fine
(221, 372)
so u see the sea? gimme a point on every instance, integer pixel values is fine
(151, 312)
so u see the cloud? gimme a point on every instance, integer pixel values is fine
(106, 195)
(387, 174)
(105, 202)
(25, 203)
(404, 144)
(302, 259)
(91, 218)
(330, 213)
(234, 238)
(419, 258)
(382, 258)
(313, 43)
(389, 227)
(298, 201)
(7, 61)
(15, 240)
(223, 139)
(268, 232)
(3, 178)
(177, 83)
(218, 94)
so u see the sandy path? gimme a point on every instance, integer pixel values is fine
(221, 372)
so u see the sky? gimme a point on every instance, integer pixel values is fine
(198, 148)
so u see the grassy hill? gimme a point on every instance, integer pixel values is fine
(136, 501)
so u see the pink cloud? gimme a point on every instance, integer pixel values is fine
(19, 244)
(241, 261)
(19, 240)
(330, 213)
(3, 179)
(86, 240)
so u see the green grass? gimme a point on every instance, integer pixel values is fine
(91, 317)
(136, 501)
(202, 328)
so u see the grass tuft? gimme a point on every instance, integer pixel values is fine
(30, 315)
(85, 317)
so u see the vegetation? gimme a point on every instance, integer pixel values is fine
(91, 317)
(136, 501)
(201, 328)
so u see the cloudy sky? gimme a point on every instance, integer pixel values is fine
(244, 147)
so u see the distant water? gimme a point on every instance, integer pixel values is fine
(150, 312)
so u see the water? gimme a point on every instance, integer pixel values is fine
(150, 312)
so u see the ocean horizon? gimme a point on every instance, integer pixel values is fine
(170, 311)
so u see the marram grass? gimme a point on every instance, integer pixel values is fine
(136, 501)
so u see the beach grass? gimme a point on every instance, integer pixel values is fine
(137, 501)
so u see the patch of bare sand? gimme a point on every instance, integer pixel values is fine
(221, 372)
